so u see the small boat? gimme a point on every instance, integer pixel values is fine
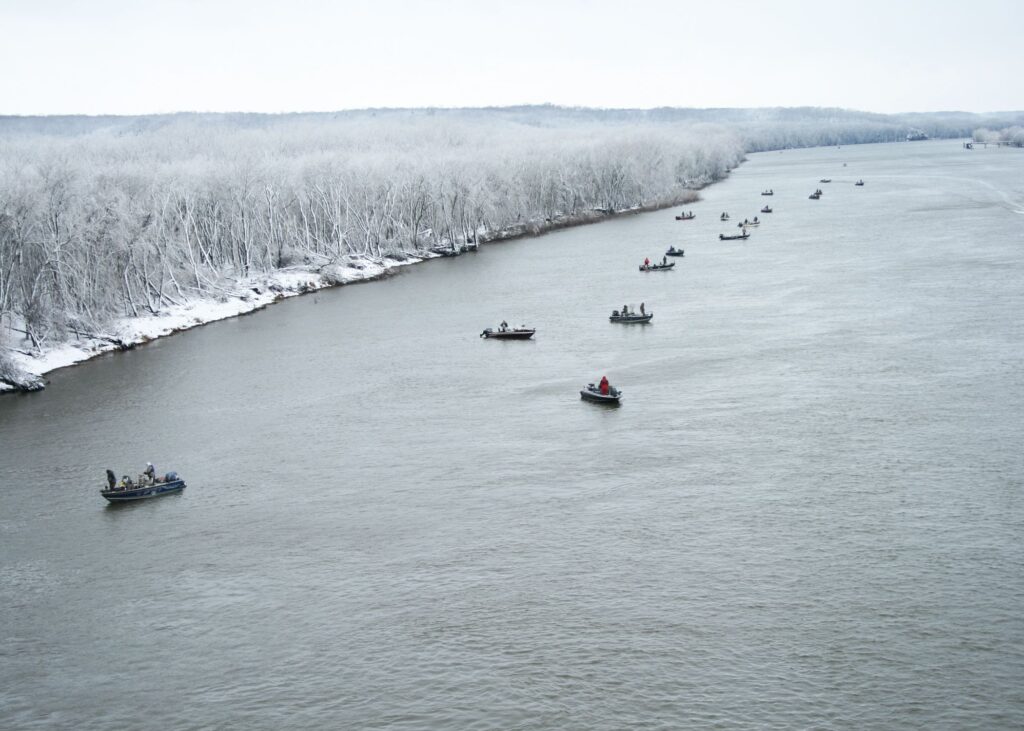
(825, 180)
(724, 217)
(859, 182)
(723, 237)
(656, 267)
(593, 393)
(815, 195)
(766, 209)
(630, 318)
(123, 493)
(746, 223)
(508, 333)
(767, 192)
(687, 217)
(673, 251)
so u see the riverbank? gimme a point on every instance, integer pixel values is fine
(22, 370)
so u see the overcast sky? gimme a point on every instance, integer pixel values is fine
(122, 57)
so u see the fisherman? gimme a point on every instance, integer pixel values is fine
(664, 261)
(504, 326)
(625, 310)
(642, 309)
(111, 480)
(604, 385)
(647, 261)
(150, 473)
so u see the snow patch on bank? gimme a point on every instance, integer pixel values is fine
(234, 297)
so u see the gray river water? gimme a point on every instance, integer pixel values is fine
(807, 513)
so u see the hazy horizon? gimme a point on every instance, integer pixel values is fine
(113, 57)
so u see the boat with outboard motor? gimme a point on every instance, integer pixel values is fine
(744, 235)
(657, 267)
(766, 209)
(673, 251)
(686, 216)
(724, 217)
(630, 318)
(825, 180)
(593, 394)
(504, 332)
(859, 182)
(768, 192)
(147, 486)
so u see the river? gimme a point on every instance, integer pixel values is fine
(807, 512)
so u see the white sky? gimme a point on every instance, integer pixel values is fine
(125, 57)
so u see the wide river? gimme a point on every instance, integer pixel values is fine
(807, 513)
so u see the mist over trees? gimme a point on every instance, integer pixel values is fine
(121, 216)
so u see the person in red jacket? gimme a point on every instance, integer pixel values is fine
(647, 262)
(604, 385)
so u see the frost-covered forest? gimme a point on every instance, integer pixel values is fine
(1013, 136)
(108, 217)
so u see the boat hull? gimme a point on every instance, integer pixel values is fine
(507, 334)
(144, 493)
(657, 267)
(631, 319)
(596, 397)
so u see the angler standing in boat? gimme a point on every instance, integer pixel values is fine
(642, 309)
(111, 480)
(604, 385)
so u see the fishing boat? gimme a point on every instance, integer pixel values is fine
(815, 195)
(825, 180)
(673, 251)
(766, 209)
(767, 192)
(723, 237)
(508, 333)
(593, 393)
(656, 267)
(746, 223)
(127, 490)
(859, 182)
(724, 217)
(630, 318)
(687, 216)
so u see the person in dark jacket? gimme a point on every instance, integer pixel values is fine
(111, 480)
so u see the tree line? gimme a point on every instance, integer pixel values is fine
(123, 216)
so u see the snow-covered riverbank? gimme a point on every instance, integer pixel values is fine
(235, 297)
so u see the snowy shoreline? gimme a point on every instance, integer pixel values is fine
(246, 295)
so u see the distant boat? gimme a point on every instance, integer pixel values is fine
(171, 483)
(825, 180)
(593, 393)
(916, 136)
(859, 182)
(723, 237)
(516, 333)
(814, 196)
(656, 267)
(687, 217)
(746, 223)
(767, 192)
(673, 251)
(724, 217)
(766, 209)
